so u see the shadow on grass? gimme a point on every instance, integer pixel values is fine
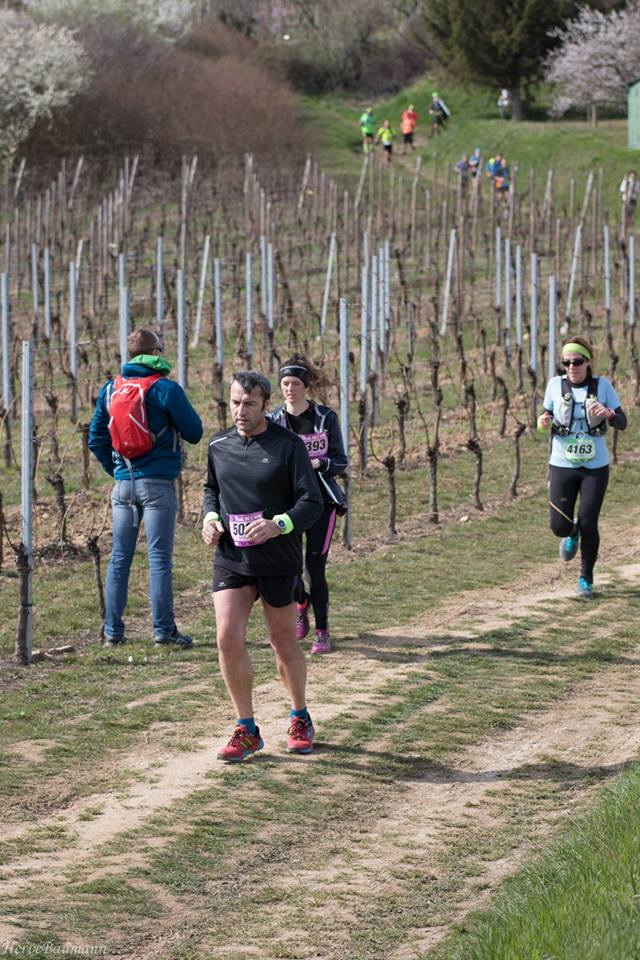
(416, 768)
(401, 650)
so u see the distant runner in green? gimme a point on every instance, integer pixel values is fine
(367, 129)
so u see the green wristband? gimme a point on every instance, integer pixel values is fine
(284, 522)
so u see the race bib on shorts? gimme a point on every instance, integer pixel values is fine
(238, 523)
(579, 449)
(317, 444)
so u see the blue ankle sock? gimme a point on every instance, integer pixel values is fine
(301, 714)
(249, 723)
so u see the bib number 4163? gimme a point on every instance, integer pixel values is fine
(579, 449)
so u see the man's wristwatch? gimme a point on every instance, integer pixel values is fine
(283, 522)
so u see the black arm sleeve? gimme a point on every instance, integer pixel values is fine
(619, 422)
(336, 462)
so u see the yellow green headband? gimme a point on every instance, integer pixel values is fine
(576, 348)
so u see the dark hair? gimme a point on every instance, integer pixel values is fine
(299, 360)
(142, 341)
(250, 379)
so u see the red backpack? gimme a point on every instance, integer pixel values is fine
(128, 427)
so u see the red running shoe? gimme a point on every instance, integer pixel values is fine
(300, 736)
(241, 745)
(302, 621)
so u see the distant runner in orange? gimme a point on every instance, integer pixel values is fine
(408, 125)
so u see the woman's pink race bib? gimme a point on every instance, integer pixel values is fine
(317, 444)
(238, 523)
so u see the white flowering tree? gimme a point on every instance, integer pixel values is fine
(598, 56)
(42, 67)
(170, 18)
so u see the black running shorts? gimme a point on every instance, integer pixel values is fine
(275, 591)
(408, 137)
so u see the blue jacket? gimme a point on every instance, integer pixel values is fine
(170, 417)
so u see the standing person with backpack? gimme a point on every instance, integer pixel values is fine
(578, 408)
(318, 426)
(135, 433)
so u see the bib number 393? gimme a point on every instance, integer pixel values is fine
(317, 444)
(238, 523)
(579, 449)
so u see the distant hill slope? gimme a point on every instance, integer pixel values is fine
(571, 147)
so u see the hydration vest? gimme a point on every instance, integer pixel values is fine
(563, 410)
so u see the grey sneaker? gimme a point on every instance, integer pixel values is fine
(181, 640)
(109, 642)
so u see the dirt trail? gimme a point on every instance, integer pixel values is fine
(596, 728)
(591, 734)
(170, 776)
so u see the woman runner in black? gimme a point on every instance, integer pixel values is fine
(578, 407)
(318, 426)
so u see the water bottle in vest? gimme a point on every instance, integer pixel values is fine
(128, 426)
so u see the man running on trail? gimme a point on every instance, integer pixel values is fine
(407, 125)
(439, 113)
(367, 129)
(386, 136)
(504, 103)
(462, 169)
(475, 162)
(497, 170)
(260, 494)
(629, 190)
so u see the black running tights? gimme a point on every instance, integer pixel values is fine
(564, 486)
(318, 541)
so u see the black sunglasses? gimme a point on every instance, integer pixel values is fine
(574, 363)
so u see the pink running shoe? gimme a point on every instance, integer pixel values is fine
(322, 642)
(300, 736)
(241, 745)
(302, 621)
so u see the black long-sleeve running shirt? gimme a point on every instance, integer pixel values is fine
(268, 474)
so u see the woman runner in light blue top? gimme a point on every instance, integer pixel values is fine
(578, 408)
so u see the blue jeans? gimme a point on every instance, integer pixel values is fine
(156, 504)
